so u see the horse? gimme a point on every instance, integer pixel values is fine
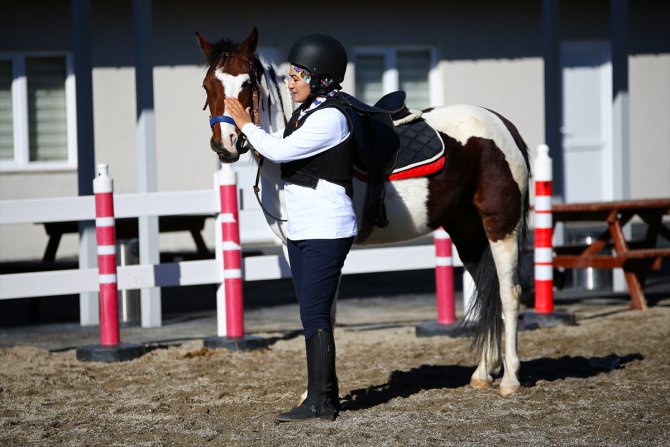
(480, 196)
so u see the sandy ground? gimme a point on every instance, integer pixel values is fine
(603, 382)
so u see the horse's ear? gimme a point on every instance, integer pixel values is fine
(204, 44)
(250, 43)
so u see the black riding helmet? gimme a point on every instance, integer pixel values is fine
(321, 55)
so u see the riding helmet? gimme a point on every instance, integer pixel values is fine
(320, 55)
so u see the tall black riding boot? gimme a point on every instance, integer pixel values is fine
(322, 400)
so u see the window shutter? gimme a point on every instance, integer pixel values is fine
(47, 117)
(413, 70)
(369, 75)
(6, 113)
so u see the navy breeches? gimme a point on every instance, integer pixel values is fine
(316, 265)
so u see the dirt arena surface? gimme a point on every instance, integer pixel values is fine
(603, 382)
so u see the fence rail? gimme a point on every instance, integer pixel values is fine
(65, 282)
(62, 209)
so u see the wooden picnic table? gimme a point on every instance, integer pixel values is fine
(126, 228)
(611, 249)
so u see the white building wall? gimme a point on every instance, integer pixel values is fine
(513, 88)
(649, 103)
(114, 124)
(469, 71)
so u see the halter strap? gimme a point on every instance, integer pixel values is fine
(221, 119)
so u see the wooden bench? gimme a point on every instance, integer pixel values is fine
(611, 249)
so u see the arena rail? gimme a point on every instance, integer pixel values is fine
(254, 268)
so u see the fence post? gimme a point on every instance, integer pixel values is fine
(109, 349)
(229, 299)
(444, 278)
(444, 292)
(544, 315)
(544, 253)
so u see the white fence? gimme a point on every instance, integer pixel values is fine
(203, 202)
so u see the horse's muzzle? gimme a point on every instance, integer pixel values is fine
(225, 156)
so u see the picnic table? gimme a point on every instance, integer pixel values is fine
(610, 249)
(126, 228)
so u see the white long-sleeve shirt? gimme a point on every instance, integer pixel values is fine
(324, 212)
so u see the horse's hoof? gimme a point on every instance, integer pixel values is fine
(506, 390)
(480, 384)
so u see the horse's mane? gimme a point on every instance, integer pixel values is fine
(222, 47)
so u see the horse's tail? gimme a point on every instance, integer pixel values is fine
(485, 310)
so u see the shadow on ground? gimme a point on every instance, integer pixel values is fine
(430, 377)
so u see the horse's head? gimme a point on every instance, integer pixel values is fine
(234, 71)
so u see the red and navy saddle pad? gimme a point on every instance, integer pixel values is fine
(421, 152)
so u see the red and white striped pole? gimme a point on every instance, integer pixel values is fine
(544, 276)
(444, 278)
(105, 231)
(109, 349)
(229, 300)
(544, 315)
(231, 310)
(444, 291)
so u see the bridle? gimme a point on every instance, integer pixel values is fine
(242, 145)
(255, 67)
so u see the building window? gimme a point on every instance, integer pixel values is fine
(382, 70)
(37, 116)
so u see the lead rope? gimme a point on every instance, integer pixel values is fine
(257, 190)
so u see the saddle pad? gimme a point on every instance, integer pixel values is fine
(421, 152)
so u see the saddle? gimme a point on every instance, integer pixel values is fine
(390, 143)
(376, 150)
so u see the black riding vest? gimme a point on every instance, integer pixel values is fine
(334, 165)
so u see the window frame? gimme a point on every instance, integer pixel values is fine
(391, 76)
(20, 119)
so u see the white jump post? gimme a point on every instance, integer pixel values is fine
(229, 299)
(544, 315)
(109, 349)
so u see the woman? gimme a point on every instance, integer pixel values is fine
(315, 153)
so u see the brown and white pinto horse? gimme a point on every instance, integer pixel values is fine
(480, 197)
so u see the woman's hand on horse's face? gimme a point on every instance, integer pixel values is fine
(237, 112)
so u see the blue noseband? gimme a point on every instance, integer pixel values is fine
(221, 119)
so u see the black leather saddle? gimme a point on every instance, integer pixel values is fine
(392, 104)
(376, 153)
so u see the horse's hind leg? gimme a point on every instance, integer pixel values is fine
(469, 236)
(488, 364)
(505, 254)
